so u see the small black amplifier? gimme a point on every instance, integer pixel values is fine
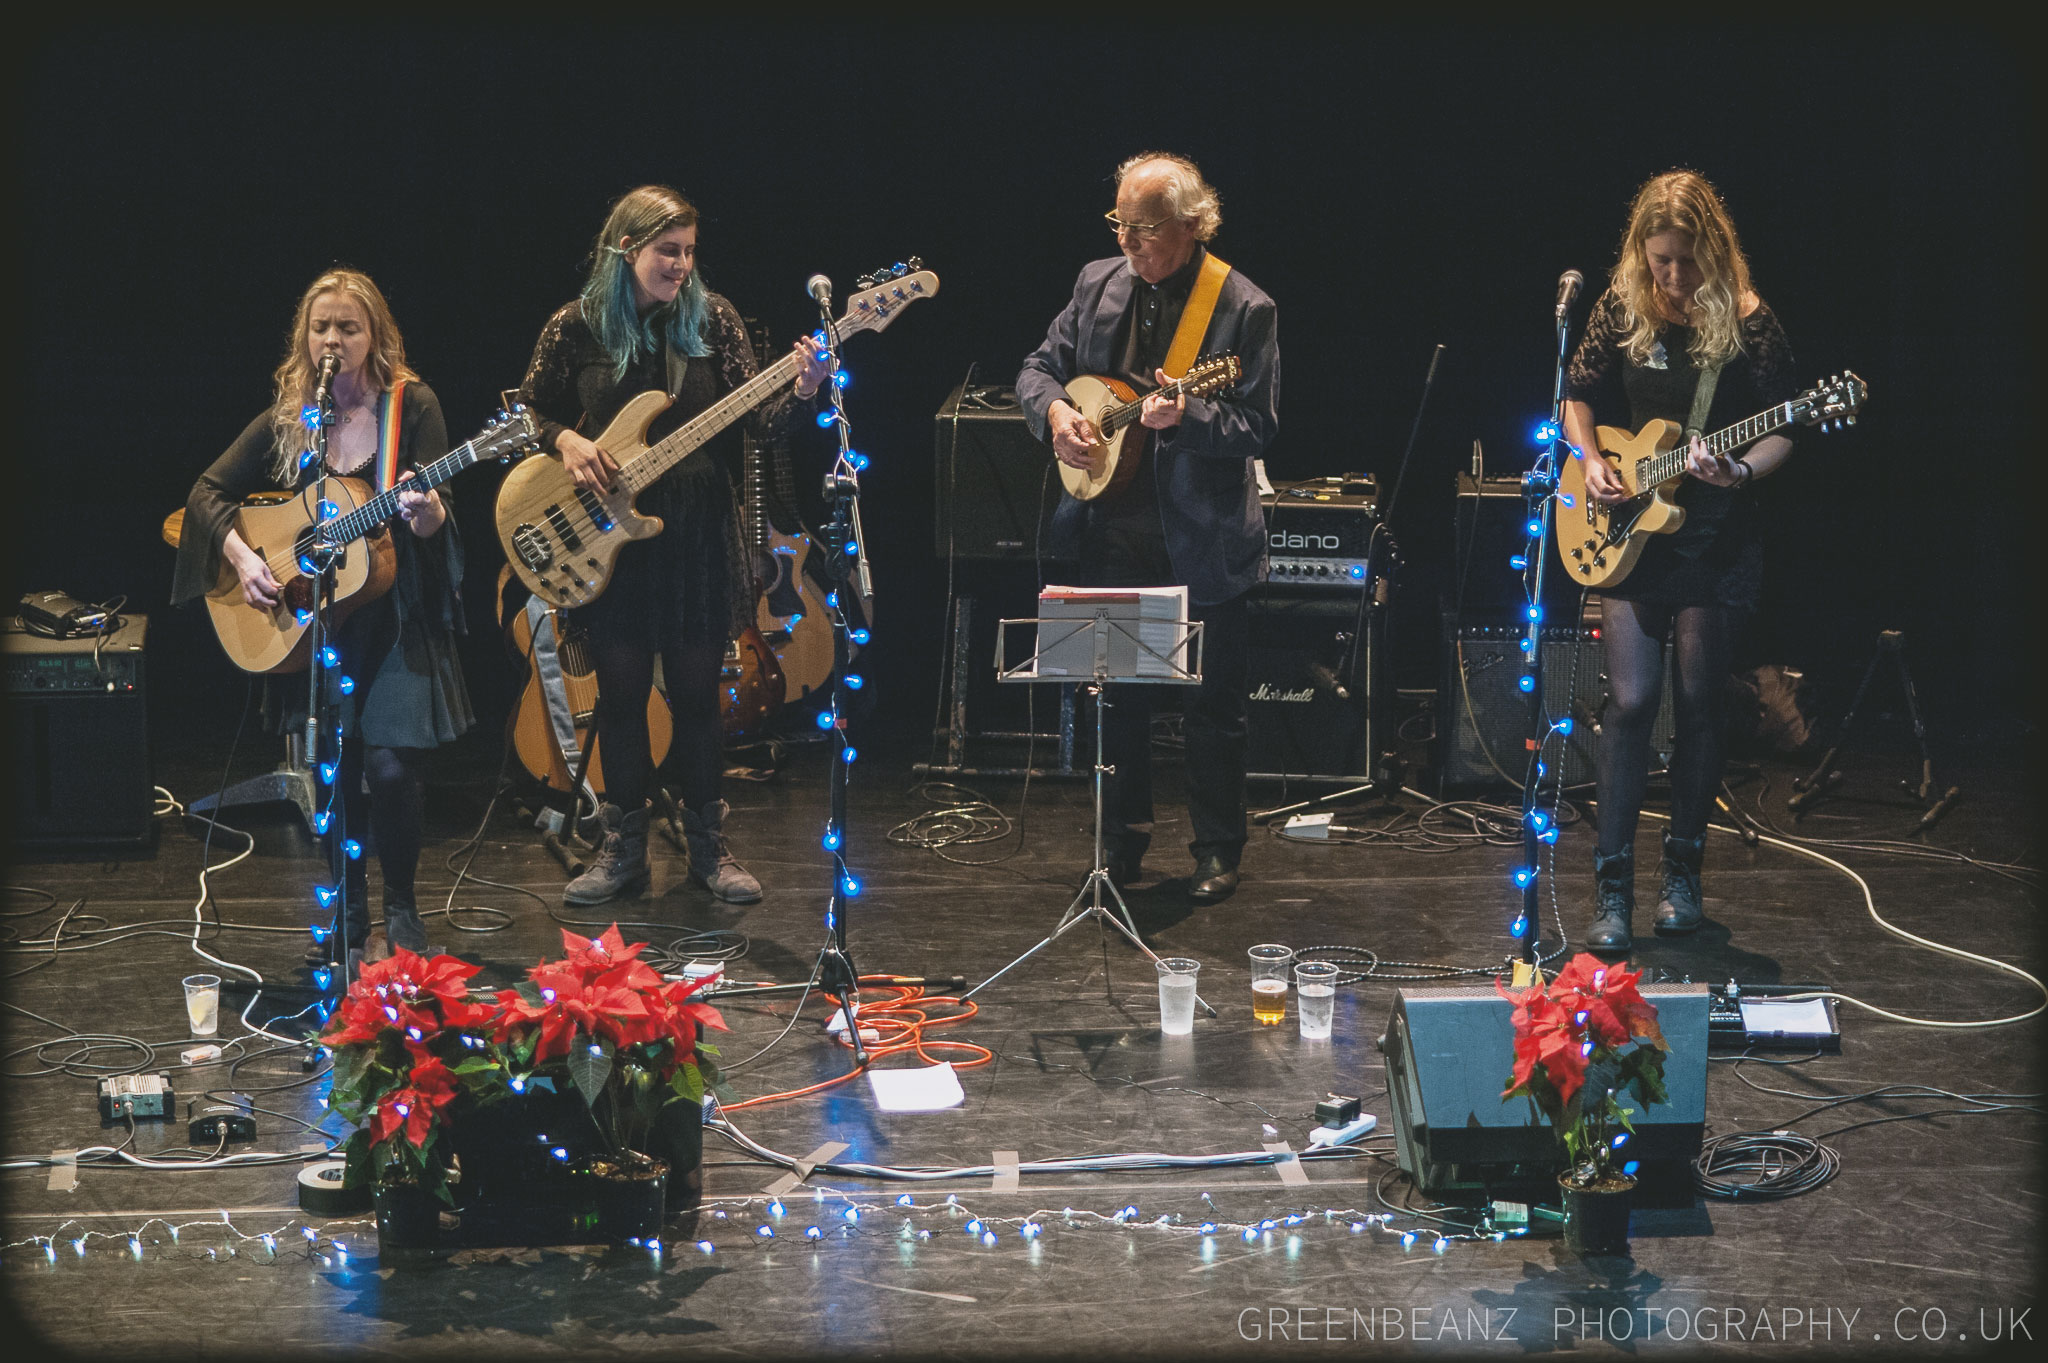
(77, 737)
(1320, 532)
(996, 485)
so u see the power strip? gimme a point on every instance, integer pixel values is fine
(1342, 1135)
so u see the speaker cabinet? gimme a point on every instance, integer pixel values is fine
(1449, 1053)
(1483, 715)
(77, 740)
(996, 482)
(1297, 726)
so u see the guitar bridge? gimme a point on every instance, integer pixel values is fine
(532, 547)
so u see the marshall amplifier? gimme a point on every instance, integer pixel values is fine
(1320, 533)
(77, 738)
(1311, 696)
(996, 482)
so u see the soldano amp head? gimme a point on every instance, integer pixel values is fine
(1319, 532)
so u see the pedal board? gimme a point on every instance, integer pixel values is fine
(1763, 1017)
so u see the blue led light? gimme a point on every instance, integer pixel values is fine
(1631, 1167)
(1567, 499)
(1520, 928)
(855, 681)
(859, 636)
(325, 894)
(321, 820)
(326, 773)
(849, 753)
(833, 841)
(1537, 818)
(1528, 645)
(307, 566)
(1358, 572)
(306, 459)
(348, 685)
(904, 1200)
(309, 417)
(841, 378)
(322, 977)
(851, 887)
(859, 461)
(319, 933)
(1620, 1139)
(1545, 432)
(1548, 835)
(303, 616)
(819, 338)
(1534, 527)
(832, 600)
(812, 1233)
(1523, 875)
(518, 1084)
(1564, 726)
(1525, 682)
(827, 417)
(352, 849)
(328, 657)
(825, 719)
(328, 510)
(1518, 563)
(1533, 611)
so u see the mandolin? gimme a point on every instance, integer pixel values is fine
(564, 541)
(302, 537)
(1600, 544)
(1113, 407)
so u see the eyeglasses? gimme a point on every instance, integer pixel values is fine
(1142, 231)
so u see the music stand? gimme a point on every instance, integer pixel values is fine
(1118, 654)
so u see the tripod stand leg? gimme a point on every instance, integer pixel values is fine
(1813, 785)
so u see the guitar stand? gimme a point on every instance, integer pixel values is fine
(1824, 778)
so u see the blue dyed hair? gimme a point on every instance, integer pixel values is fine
(608, 308)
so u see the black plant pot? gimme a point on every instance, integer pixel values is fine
(679, 1139)
(629, 1196)
(408, 1216)
(1596, 1218)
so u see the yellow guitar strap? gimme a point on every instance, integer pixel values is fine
(1194, 318)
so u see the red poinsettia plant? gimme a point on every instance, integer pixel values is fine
(1581, 1041)
(630, 1040)
(409, 1046)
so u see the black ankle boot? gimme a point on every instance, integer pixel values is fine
(1614, 881)
(1679, 910)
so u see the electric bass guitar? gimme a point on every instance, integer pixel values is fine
(564, 541)
(1600, 544)
(303, 537)
(1113, 407)
(790, 614)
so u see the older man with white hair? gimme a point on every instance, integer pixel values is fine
(1190, 515)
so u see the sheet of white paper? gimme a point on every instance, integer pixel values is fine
(1259, 468)
(1794, 1017)
(924, 1089)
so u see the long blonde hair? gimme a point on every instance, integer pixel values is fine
(296, 377)
(1683, 201)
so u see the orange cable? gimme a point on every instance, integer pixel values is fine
(899, 1020)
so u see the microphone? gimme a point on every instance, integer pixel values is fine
(1567, 289)
(820, 290)
(329, 363)
(1327, 680)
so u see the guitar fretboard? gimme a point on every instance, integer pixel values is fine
(638, 473)
(382, 507)
(1659, 467)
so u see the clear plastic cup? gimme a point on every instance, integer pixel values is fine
(1270, 961)
(1315, 997)
(202, 1004)
(1177, 994)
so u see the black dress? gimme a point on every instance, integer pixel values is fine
(1716, 557)
(403, 642)
(692, 583)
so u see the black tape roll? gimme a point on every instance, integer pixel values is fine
(322, 1193)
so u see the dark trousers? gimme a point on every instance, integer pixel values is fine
(1125, 554)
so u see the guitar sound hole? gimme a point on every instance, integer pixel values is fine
(296, 594)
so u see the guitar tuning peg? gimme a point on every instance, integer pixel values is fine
(1850, 419)
(917, 262)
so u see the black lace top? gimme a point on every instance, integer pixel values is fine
(696, 570)
(1716, 557)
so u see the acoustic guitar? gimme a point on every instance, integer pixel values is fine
(304, 537)
(564, 541)
(1599, 545)
(1113, 407)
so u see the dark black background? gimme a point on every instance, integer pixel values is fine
(1392, 188)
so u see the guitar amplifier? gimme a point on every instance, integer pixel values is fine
(77, 738)
(1491, 528)
(1320, 532)
(1312, 695)
(1483, 716)
(996, 484)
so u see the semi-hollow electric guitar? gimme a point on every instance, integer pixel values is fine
(303, 537)
(1113, 407)
(1599, 544)
(564, 541)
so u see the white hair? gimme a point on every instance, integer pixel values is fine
(1188, 196)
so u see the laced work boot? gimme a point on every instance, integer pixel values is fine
(711, 861)
(1679, 910)
(403, 926)
(1614, 882)
(621, 862)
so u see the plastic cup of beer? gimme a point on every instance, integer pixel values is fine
(1315, 998)
(1177, 995)
(1270, 962)
(202, 1004)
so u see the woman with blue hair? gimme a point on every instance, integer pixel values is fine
(646, 321)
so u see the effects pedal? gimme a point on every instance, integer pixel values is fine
(139, 1096)
(221, 1121)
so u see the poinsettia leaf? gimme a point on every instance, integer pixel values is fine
(589, 1071)
(529, 993)
(356, 1168)
(478, 1065)
(347, 1072)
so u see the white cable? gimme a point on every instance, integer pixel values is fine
(1870, 906)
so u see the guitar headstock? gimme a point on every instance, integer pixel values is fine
(510, 435)
(1211, 375)
(878, 297)
(1833, 402)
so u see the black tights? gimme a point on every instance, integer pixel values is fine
(396, 811)
(625, 674)
(1702, 641)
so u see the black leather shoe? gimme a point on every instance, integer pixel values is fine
(1214, 881)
